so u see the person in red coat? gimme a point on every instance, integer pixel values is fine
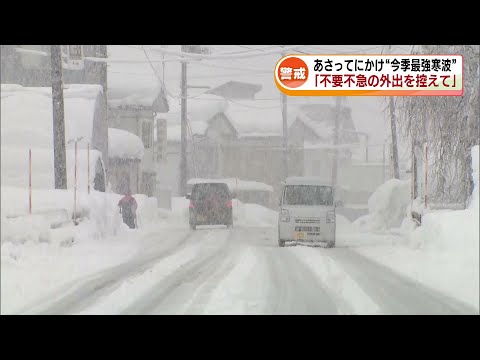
(128, 209)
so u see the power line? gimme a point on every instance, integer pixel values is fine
(249, 51)
(347, 52)
(224, 56)
(229, 75)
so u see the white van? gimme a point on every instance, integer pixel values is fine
(307, 212)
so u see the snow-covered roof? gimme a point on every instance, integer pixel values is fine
(235, 184)
(124, 145)
(248, 117)
(131, 83)
(256, 118)
(320, 119)
(141, 98)
(26, 114)
(200, 110)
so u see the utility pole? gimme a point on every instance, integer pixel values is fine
(285, 131)
(103, 77)
(59, 152)
(338, 102)
(183, 131)
(285, 135)
(396, 171)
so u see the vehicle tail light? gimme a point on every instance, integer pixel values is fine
(191, 206)
(229, 204)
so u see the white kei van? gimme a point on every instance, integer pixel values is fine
(307, 212)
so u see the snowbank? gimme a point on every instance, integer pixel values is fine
(387, 206)
(474, 204)
(100, 213)
(124, 145)
(453, 230)
(45, 250)
(454, 237)
(51, 206)
(443, 252)
(253, 215)
(147, 211)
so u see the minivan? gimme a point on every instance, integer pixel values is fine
(307, 212)
(210, 204)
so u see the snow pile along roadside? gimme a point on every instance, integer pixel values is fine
(453, 236)
(386, 207)
(52, 211)
(42, 251)
(453, 230)
(253, 215)
(443, 252)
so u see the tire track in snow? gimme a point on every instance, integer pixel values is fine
(202, 297)
(394, 293)
(82, 293)
(349, 297)
(243, 288)
(175, 290)
(294, 288)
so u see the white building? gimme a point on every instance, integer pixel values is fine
(26, 123)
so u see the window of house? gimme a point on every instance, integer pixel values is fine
(147, 134)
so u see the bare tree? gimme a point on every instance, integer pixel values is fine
(450, 125)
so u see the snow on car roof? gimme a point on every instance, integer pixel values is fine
(235, 184)
(307, 180)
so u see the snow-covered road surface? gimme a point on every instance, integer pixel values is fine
(243, 271)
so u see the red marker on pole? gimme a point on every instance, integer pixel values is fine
(426, 173)
(88, 168)
(75, 187)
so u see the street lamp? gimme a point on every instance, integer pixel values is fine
(74, 213)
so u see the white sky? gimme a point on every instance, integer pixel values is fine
(123, 77)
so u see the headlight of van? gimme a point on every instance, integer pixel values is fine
(330, 217)
(285, 216)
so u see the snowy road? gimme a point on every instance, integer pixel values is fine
(242, 271)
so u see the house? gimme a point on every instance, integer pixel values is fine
(126, 152)
(229, 139)
(207, 128)
(257, 153)
(230, 135)
(30, 66)
(134, 110)
(314, 127)
(26, 114)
